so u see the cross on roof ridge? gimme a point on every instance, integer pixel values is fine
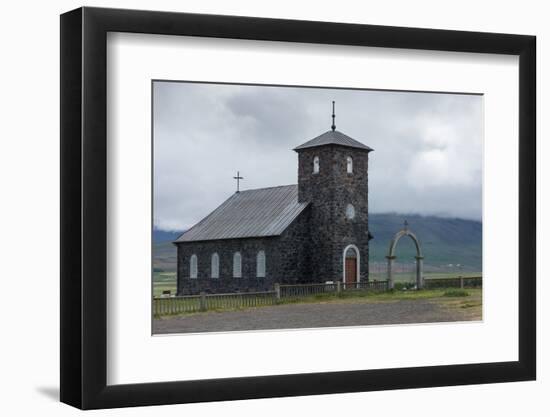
(238, 178)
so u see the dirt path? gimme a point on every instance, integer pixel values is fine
(332, 314)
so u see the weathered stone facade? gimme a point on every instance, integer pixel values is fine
(287, 261)
(311, 248)
(329, 192)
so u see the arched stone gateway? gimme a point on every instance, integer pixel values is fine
(419, 258)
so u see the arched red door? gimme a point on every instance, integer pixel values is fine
(350, 266)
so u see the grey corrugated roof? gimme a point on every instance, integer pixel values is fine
(250, 213)
(333, 137)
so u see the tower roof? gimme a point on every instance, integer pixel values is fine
(333, 137)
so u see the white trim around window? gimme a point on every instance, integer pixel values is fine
(215, 266)
(260, 264)
(237, 265)
(193, 267)
(349, 164)
(315, 164)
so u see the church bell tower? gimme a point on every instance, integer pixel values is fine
(333, 179)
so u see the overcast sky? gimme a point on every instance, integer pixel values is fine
(427, 155)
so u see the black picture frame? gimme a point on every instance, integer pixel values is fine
(84, 207)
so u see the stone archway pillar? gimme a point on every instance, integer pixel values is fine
(419, 272)
(390, 271)
(419, 258)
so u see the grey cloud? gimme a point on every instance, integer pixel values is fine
(427, 159)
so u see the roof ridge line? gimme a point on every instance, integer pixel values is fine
(265, 212)
(267, 188)
(333, 137)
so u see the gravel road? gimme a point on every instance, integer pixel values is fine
(294, 316)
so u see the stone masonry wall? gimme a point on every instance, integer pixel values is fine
(312, 247)
(329, 192)
(286, 261)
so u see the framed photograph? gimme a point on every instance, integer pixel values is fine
(256, 208)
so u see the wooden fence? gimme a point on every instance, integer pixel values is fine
(304, 290)
(307, 290)
(164, 306)
(460, 282)
(368, 286)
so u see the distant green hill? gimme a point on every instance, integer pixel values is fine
(164, 257)
(160, 236)
(444, 241)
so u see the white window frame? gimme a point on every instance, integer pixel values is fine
(316, 164)
(194, 267)
(349, 165)
(215, 265)
(237, 265)
(260, 264)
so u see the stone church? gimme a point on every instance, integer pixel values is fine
(313, 231)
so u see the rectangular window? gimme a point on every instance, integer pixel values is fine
(215, 266)
(193, 267)
(260, 264)
(237, 267)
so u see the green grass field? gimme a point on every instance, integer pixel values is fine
(410, 277)
(166, 281)
(439, 294)
(468, 301)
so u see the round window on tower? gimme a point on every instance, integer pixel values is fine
(350, 211)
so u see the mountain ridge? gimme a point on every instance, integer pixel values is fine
(444, 241)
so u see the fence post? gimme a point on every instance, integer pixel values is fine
(277, 291)
(203, 301)
(338, 287)
(461, 282)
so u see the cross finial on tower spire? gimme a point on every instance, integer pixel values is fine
(333, 118)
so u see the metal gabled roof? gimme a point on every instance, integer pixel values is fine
(250, 213)
(333, 137)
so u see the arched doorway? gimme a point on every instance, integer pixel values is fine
(419, 258)
(351, 268)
